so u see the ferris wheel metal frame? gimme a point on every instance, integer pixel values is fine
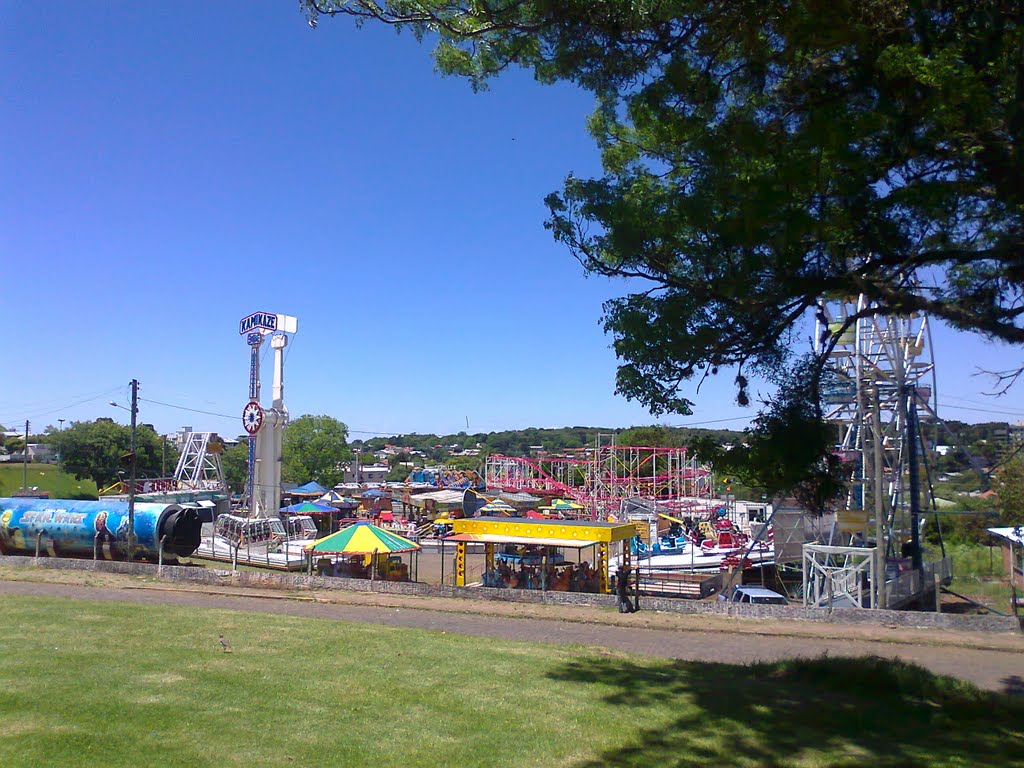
(880, 375)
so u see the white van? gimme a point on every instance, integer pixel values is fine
(757, 596)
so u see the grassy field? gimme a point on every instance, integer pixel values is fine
(978, 574)
(106, 684)
(48, 478)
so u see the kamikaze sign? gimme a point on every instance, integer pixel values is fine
(258, 320)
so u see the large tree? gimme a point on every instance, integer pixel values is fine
(235, 464)
(314, 448)
(101, 449)
(763, 157)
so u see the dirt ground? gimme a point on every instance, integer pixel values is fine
(990, 660)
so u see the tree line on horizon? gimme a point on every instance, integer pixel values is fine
(97, 449)
(316, 447)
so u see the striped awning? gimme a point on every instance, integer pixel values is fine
(564, 504)
(362, 539)
(497, 507)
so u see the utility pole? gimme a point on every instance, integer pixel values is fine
(24, 458)
(131, 487)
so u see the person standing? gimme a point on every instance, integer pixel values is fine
(622, 590)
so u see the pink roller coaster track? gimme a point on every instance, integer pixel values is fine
(602, 477)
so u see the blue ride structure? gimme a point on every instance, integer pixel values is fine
(68, 527)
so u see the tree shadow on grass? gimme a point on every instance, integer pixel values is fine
(1013, 685)
(821, 712)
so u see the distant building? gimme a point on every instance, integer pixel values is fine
(365, 473)
(36, 454)
(1016, 433)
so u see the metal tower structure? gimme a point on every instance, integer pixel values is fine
(199, 464)
(265, 426)
(880, 386)
(601, 478)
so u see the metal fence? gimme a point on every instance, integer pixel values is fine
(911, 584)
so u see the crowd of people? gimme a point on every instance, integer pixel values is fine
(556, 577)
(360, 567)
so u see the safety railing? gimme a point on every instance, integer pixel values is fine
(910, 584)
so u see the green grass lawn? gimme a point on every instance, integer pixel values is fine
(106, 684)
(48, 478)
(978, 574)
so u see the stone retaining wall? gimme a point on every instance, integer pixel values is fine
(222, 577)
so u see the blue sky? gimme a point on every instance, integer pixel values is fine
(169, 169)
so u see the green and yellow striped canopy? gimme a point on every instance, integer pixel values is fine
(361, 539)
(564, 504)
(497, 507)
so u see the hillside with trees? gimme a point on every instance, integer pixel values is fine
(524, 442)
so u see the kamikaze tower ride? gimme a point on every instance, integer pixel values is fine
(265, 426)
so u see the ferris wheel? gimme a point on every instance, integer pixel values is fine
(880, 378)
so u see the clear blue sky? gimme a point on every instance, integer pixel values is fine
(168, 169)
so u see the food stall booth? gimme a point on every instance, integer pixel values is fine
(528, 553)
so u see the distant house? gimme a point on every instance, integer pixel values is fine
(36, 454)
(365, 473)
(1016, 433)
(1013, 547)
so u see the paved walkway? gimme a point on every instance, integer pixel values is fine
(995, 662)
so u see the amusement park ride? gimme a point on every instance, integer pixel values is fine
(260, 536)
(265, 426)
(651, 487)
(603, 477)
(881, 387)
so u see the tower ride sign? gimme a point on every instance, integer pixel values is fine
(265, 425)
(266, 321)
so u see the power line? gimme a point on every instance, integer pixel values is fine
(713, 421)
(1003, 412)
(38, 414)
(1005, 460)
(185, 408)
(227, 416)
(967, 400)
